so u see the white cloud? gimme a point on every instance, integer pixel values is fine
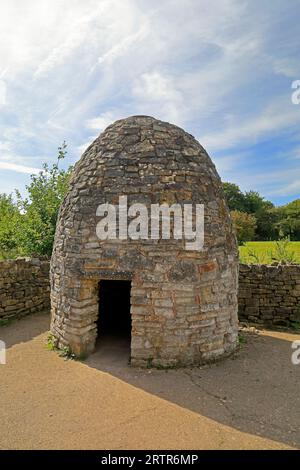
(295, 154)
(121, 47)
(18, 168)
(2, 93)
(276, 117)
(81, 148)
(287, 66)
(285, 183)
(101, 48)
(100, 123)
(75, 31)
(289, 189)
(154, 86)
(155, 90)
(271, 183)
(5, 146)
(69, 69)
(227, 163)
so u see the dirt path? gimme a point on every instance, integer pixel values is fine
(248, 402)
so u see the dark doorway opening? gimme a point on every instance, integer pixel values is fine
(114, 319)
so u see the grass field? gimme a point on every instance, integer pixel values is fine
(268, 252)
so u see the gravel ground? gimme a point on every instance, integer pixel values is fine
(250, 401)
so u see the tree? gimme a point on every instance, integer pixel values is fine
(266, 224)
(251, 202)
(40, 210)
(265, 215)
(9, 217)
(289, 220)
(234, 197)
(244, 225)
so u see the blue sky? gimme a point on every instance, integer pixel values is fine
(220, 69)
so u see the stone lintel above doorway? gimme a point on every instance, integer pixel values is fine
(109, 275)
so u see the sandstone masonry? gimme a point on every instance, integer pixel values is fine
(269, 295)
(24, 287)
(183, 303)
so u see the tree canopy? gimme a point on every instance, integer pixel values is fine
(244, 225)
(272, 223)
(27, 225)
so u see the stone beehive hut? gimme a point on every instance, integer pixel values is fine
(183, 303)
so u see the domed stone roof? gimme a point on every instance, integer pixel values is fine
(183, 301)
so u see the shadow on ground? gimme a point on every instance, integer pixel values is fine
(25, 329)
(104, 403)
(255, 391)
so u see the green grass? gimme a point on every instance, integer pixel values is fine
(242, 339)
(6, 321)
(268, 252)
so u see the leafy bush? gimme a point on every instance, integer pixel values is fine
(9, 215)
(27, 227)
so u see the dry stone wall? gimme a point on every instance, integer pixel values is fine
(24, 287)
(269, 295)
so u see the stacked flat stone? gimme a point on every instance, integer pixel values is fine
(269, 295)
(24, 287)
(183, 303)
